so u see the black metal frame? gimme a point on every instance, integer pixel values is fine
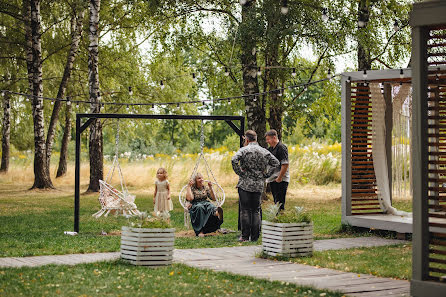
(91, 116)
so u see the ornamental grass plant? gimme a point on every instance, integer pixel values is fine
(296, 214)
(145, 220)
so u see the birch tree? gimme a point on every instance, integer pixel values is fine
(255, 108)
(34, 61)
(95, 140)
(6, 130)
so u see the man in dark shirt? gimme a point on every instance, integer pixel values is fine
(281, 176)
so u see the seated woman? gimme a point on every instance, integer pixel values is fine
(205, 216)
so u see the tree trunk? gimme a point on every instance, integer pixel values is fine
(28, 43)
(364, 62)
(254, 105)
(41, 179)
(62, 169)
(272, 73)
(6, 129)
(76, 34)
(95, 141)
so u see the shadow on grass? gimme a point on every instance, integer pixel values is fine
(353, 231)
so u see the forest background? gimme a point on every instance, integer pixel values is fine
(174, 51)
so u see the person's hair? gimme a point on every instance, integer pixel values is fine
(251, 135)
(196, 175)
(271, 133)
(163, 170)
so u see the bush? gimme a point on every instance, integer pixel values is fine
(232, 142)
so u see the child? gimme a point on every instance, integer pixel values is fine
(161, 197)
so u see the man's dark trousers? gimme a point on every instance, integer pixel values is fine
(250, 214)
(279, 192)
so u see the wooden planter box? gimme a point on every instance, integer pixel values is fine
(149, 247)
(287, 239)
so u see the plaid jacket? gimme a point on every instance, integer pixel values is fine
(251, 163)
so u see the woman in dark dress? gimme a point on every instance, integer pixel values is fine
(205, 216)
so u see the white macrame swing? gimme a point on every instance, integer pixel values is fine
(111, 199)
(379, 150)
(218, 190)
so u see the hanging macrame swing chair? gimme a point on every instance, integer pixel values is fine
(111, 199)
(218, 190)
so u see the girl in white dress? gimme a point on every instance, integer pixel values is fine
(161, 197)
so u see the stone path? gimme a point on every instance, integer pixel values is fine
(241, 260)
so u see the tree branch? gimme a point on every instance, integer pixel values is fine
(309, 80)
(55, 52)
(54, 24)
(217, 10)
(387, 44)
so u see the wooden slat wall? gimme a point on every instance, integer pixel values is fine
(437, 153)
(364, 197)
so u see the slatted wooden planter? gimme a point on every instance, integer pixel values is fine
(287, 239)
(148, 247)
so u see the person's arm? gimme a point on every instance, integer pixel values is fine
(189, 195)
(211, 192)
(283, 169)
(272, 162)
(168, 191)
(283, 158)
(154, 194)
(236, 163)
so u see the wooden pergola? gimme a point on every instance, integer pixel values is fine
(428, 22)
(360, 204)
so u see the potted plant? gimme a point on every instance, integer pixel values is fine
(148, 240)
(288, 233)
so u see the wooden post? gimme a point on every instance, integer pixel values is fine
(425, 16)
(420, 239)
(389, 127)
(346, 149)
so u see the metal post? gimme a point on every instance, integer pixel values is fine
(91, 116)
(77, 174)
(242, 128)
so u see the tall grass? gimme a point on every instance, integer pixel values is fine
(317, 164)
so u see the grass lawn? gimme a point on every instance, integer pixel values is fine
(121, 279)
(33, 222)
(387, 261)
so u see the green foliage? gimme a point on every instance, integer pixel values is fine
(145, 42)
(232, 142)
(294, 215)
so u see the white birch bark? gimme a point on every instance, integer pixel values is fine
(6, 130)
(41, 178)
(95, 141)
